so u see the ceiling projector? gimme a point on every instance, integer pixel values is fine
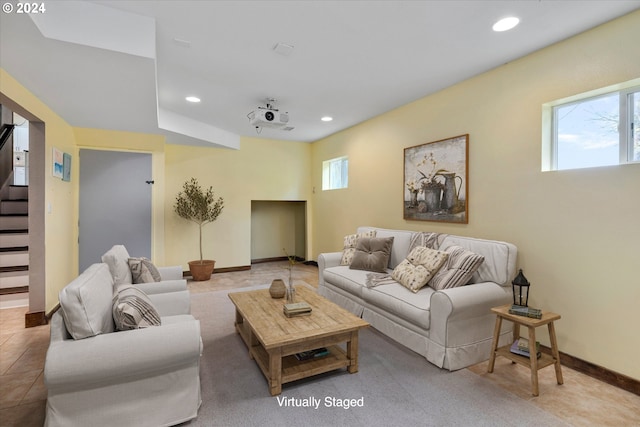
(268, 118)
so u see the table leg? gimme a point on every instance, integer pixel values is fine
(555, 352)
(494, 345)
(533, 360)
(239, 319)
(275, 371)
(516, 331)
(352, 353)
(252, 342)
(516, 334)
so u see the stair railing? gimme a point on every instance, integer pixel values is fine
(6, 153)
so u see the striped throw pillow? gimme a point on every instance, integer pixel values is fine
(457, 269)
(143, 271)
(132, 309)
(425, 238)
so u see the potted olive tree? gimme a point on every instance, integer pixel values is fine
(199, 206)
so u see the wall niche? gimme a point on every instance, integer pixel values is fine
(278, 225)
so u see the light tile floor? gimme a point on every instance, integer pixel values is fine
(581, 401)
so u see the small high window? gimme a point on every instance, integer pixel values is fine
(594, 130)
(335, 173)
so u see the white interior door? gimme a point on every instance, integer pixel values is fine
(115, 204)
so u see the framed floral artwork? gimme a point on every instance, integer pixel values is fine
(436, 181)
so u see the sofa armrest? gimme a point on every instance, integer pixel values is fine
(176, 285)
(172, 303)
(326, 260)
(463, 315)
(173, 272)
(125, 355)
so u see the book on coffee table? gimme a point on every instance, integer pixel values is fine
(297, 309)
(312, 354)
(303, 313)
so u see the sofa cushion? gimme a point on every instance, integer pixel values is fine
(420, 265)
(458, 268)
(394, 298)
(117, 259)
(86, 303)
(132, 309)
(143, 271)
(347, 279)
(372, 254)
(349, 247)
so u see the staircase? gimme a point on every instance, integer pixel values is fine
(14, 246)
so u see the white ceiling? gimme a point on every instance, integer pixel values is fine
(352, 60)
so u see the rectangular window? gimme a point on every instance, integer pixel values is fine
(634, 118)
(335, 173)
(595, 130)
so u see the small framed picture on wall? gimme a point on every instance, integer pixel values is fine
(58, 163)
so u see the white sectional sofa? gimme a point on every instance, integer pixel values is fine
(452, 328)
(99, 376)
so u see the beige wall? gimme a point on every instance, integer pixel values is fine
(577, 231)
(61, 255)
(261, 170)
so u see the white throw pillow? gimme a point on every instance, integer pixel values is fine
(420, 265)
(349, 248)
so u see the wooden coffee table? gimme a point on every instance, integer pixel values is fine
(273, 339)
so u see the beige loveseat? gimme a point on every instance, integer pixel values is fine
(99, 376)
(452, 328)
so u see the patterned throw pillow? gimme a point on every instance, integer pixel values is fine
(132, 309)
(372, 254)
(143, 271)
(350, 245)
(420, 265)
(457, 270)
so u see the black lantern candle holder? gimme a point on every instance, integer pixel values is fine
(520, 287)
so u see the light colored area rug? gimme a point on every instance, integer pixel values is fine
(395, 386)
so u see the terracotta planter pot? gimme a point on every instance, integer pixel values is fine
(201, 270)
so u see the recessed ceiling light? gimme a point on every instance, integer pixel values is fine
(192, 99)
(326, 119)
(506, 24)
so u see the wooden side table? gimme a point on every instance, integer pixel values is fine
(532, 362)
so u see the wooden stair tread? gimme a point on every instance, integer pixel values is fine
(15, 249)
(14, 290)
(15, 231)
(14, 268)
